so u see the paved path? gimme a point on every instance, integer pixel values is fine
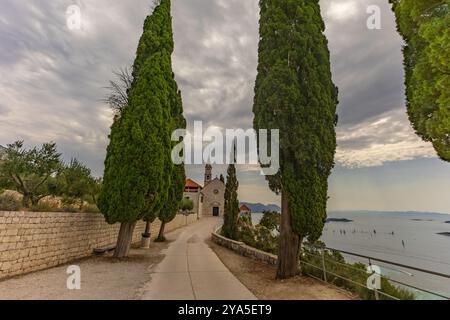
(192, 271)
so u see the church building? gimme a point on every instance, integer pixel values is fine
(209, 200)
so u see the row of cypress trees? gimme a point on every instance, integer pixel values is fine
(293, 92)
(140, 179)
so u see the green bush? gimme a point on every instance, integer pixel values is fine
(271, 220)
(246, 231)
(265, 240)
(259, 237)
(9, 203)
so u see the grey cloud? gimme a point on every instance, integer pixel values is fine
(54, 77)
(367, 64)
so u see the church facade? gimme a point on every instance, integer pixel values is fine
(209, 200)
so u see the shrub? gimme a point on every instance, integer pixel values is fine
(246, 231)
(266, 240)
(259, 237)
(271, 220)
(9, 203)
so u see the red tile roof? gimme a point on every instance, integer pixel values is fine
(244, 208)
(192, 184)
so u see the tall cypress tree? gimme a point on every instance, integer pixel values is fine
(138, 162)
(294, 93)
(424, 26)
(171, 207)
(231, 213)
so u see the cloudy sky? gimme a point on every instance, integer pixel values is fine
(53, 78)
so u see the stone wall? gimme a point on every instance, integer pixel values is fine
(31, 241)
(244, 250)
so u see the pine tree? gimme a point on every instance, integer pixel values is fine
(138, 163)
(231, 213)
(424, 26)
(294, 93)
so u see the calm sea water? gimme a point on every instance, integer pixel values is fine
(407, 238)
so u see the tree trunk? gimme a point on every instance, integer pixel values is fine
(124, 240)
(146, 236)
(34, 201)
(26, 200)
(289, 244)
(148, 228)
(161, 232)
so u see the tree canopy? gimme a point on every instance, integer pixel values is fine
(138, 165)
(30, 172)
(136, 180)
(424, 26)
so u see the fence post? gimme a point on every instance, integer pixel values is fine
(323, 265)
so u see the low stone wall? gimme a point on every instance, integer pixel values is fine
(244, 250)
(31, 241)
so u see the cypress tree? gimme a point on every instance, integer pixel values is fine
(171, 207)
(231, 213)
(138, 161)
(294, 93)
(424, 26)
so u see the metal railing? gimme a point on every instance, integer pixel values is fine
(319, 256)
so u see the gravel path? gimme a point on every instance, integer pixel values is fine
(102, 278)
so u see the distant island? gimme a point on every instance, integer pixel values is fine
(339, 220)
(260, 208)
(445, 234)
(447, 221)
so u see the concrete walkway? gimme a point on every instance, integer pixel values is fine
(192, 271)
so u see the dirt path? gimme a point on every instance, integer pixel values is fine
(260, 279)
(102, 278)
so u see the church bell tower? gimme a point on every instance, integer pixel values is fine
(208, 174)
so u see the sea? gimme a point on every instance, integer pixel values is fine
(417, 239)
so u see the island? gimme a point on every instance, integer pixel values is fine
(339, 220)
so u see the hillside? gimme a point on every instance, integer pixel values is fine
(259, 207)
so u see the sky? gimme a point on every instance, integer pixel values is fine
(53, 80)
